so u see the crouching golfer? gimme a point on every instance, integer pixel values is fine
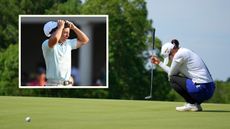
(57, 51)
(188, 75)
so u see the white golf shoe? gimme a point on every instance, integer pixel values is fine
(189, 107)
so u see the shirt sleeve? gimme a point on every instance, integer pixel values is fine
(45, 45)
(73, 43)
(174, 69)
(164, 67)
(45, 48)
(176, 63)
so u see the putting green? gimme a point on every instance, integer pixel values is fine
(72, 113)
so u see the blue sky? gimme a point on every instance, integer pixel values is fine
(200, 25)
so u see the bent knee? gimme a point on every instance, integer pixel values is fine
(172, 78)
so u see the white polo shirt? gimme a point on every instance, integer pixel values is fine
(58, 59)
(190, 65)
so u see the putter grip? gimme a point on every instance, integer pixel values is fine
(153, 36)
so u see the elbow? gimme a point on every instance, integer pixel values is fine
(52, 42)
(85, 41)
(171, 79)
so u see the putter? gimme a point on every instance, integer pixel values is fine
(151, 86)
(151, 83)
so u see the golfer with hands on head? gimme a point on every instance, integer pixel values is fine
(57, 51)
(188, 75)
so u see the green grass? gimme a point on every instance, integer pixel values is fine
(65, 113)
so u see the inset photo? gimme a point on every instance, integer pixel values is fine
(63, 51)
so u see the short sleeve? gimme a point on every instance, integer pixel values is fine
(73, 43)
(45, 45)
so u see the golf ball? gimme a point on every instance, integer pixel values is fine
(28, 119)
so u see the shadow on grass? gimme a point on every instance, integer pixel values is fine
(224, 111)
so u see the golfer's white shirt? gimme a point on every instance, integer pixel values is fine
(58, 59)
(190, 65)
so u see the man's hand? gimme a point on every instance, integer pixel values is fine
(155, 60)
(70, 24)
(61, 23)
(55, 37)
(81, 36)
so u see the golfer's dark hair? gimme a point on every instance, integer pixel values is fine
(176, 43)
(54, 29)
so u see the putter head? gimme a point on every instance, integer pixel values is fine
(148, 97)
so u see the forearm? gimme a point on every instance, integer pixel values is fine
(164, 67)
(157, 61)
(55, 37)
(80, 35)
(174, 69)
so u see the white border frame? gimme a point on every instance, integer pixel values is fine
(65, 87)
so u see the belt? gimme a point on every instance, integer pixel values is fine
(59, 82)
(65, 83)
(202, 83)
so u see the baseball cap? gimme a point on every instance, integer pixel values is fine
(165, 51)
(48, 27)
